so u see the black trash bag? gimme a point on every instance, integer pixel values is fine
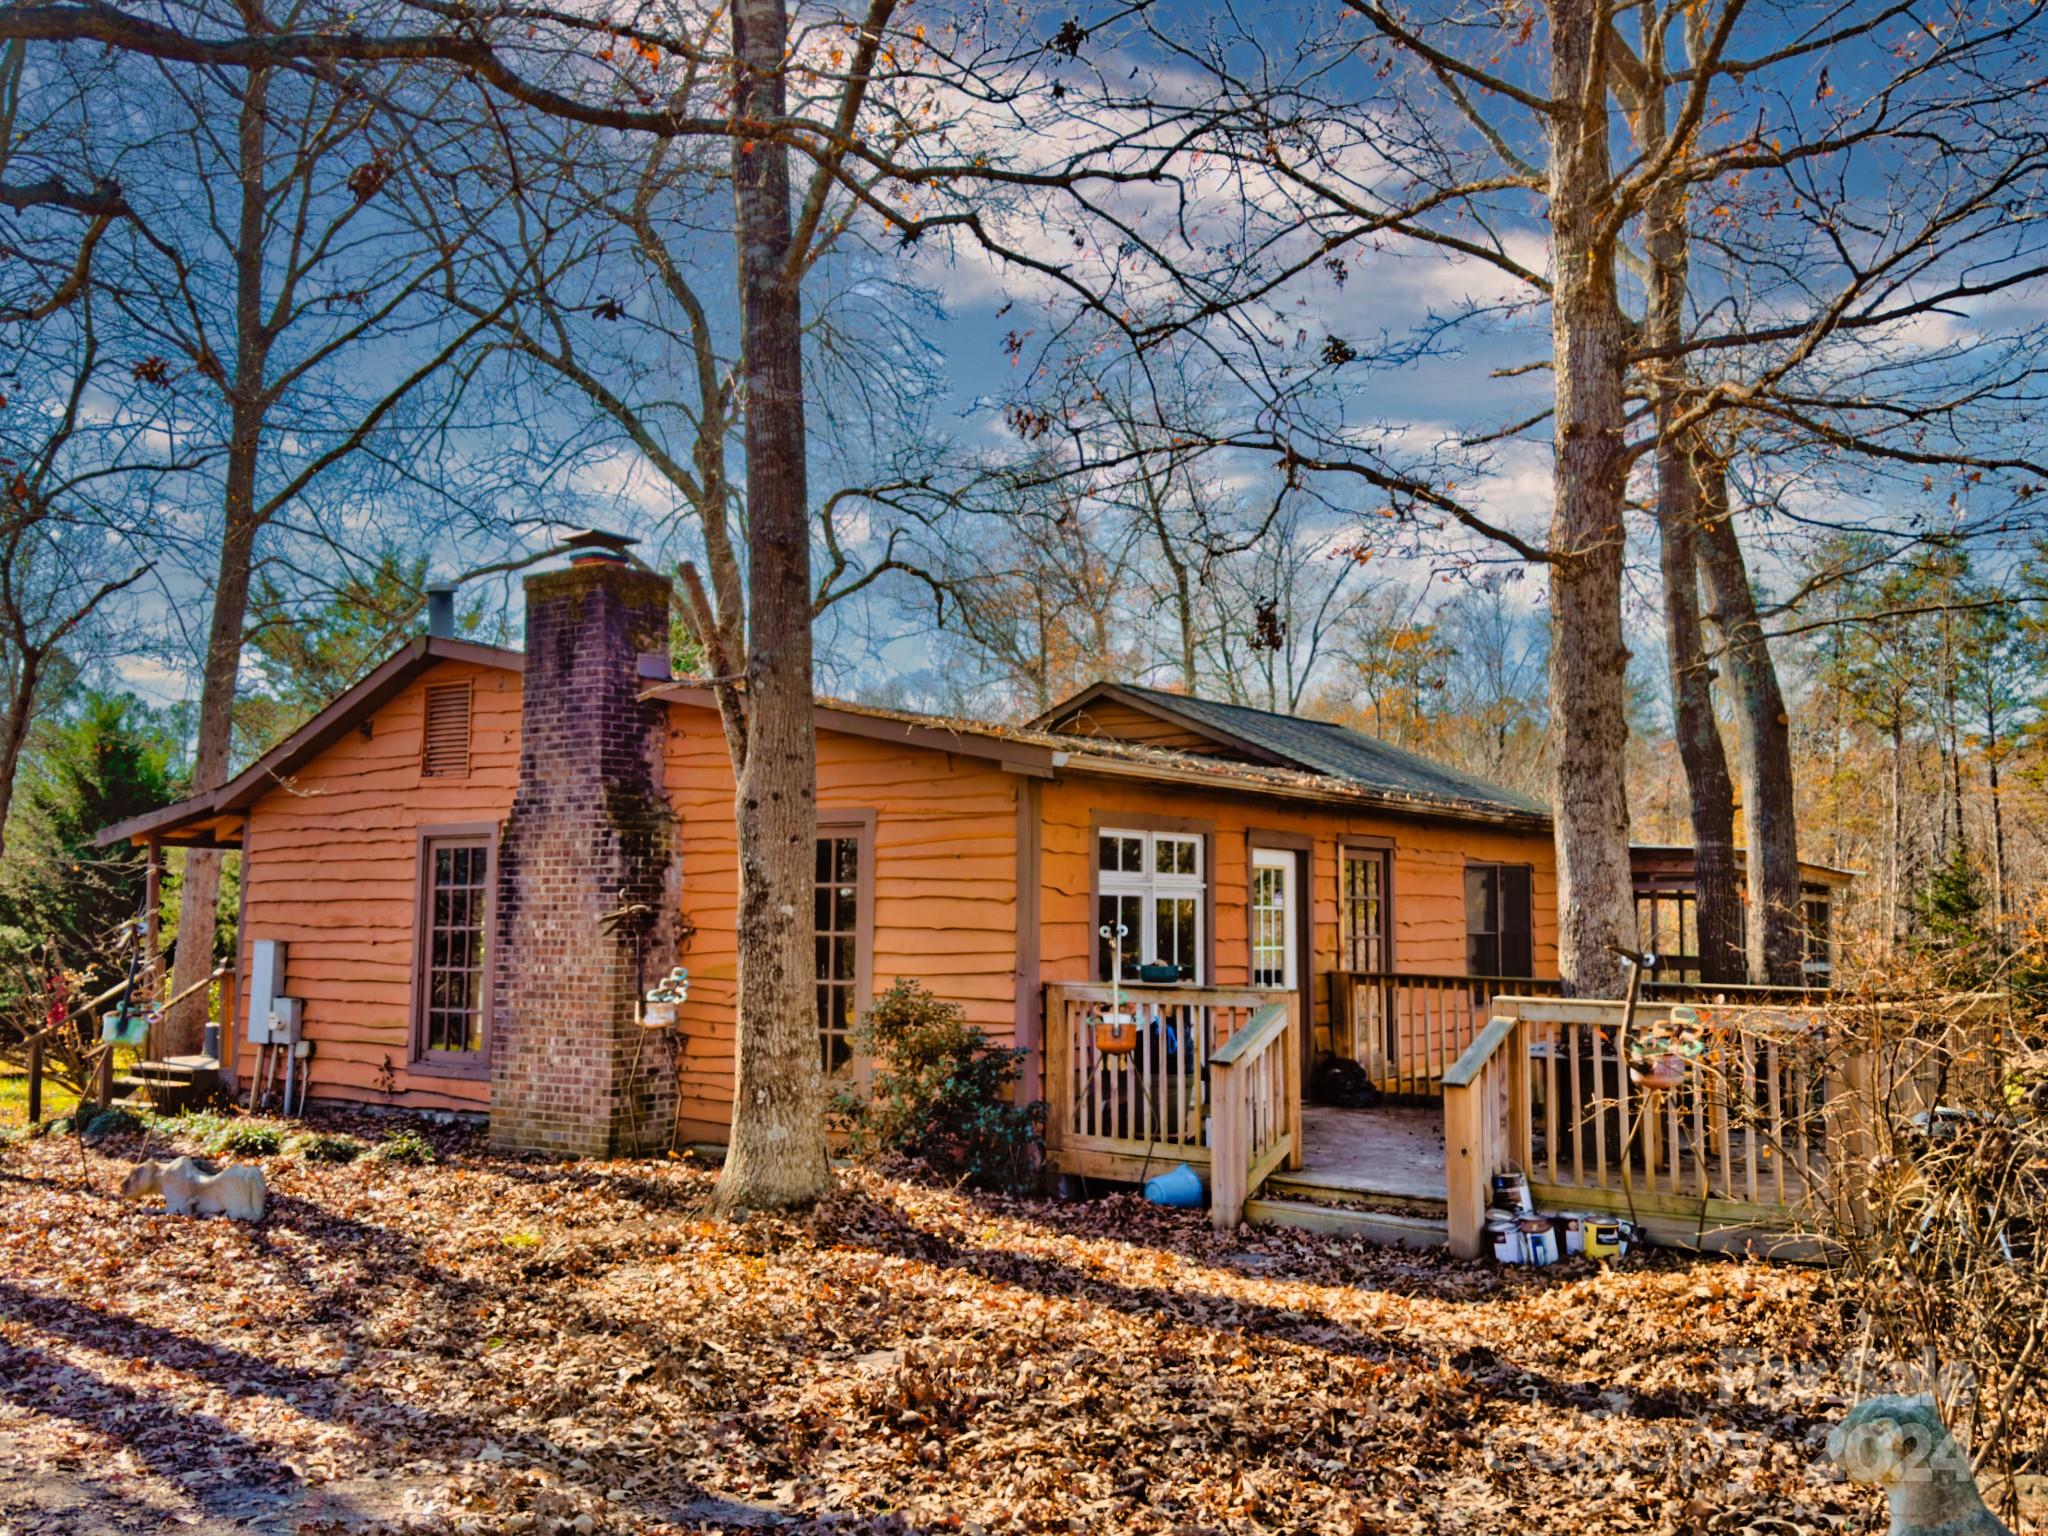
(1341, 1084)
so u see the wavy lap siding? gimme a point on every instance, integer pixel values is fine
(331, 867)
(1427, 885)
(942, 863)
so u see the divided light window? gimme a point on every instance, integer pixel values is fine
(1152, 884)
(1365, 909)
(1498, 941)
(444, 745)
(836, 923)
(455, 912)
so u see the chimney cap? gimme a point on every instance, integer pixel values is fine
(582, 544)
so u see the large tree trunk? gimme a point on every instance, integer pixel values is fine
(778, 1156)
(1709, 788)
(1777, 949)
(199, 891)
(1588, 656)
(1710, 792)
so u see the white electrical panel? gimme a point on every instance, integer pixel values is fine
(266, 987)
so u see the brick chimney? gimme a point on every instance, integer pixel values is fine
(590, 831)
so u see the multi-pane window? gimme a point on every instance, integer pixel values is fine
(836, 919)
(457, 891)
(1820, 944)
(1668, 926)
(1498, 941)
(1365, 909)
(1150, 885)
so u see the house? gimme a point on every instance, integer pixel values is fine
(470, 866)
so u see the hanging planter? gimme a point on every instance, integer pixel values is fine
(1660, 1060)
(1116, 1034)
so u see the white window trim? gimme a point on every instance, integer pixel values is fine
(1145, 884)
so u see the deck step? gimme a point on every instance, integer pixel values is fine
(1395, 1231)
(1307, 1187)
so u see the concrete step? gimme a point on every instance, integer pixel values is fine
(1388, 1227)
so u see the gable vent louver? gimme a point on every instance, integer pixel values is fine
(444, 749)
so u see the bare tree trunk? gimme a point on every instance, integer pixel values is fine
(1589, 659)
(1777, 953)
(21, 706)
(778, 1156)
(1710, 790)
(1999, 889)
(1895, 897)
(199, 893)
(1681, 461)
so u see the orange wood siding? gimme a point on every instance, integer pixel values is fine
(1120, 722)
(332, 870)
(943, 865)
(1428, 875)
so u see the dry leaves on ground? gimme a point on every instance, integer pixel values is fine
(494, 1344)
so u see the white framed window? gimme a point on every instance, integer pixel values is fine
(1152, 884)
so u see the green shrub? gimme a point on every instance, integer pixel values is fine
(407, 1147)
(114, 1120)
(941, 1093)
(250, 1141)
(319, 1147)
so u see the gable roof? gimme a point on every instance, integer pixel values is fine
(1312, 746)
(194, 816)
(1034, 751)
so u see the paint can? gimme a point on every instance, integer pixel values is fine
(1539, 1240)
(1504, 1232)
(1608, 1239)
(1571, 1233)
(1511, 1193)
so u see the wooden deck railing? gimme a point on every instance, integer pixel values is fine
(1256, 1108)
(1764, 1133)
(1213, 1070)
(1407, 1028)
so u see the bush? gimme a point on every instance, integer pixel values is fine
(250, 1141)
(941, 1093)
(408, 1148)
(114, 1120)
(318, 1147)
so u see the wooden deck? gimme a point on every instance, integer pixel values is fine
(1391, 1154)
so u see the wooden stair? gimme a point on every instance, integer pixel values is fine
(1351, 1206)
(171, 1085)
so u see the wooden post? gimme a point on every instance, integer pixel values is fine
(147, 973)
(1466, 1176)
(1292, 1056)
(1521, 1130)
(1229, 1153)
(35, 1080)
(103, 1077)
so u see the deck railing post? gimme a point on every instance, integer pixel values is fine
(1290, 1055)
(1229, 1153)
(1521, 1131)
(35, 1081)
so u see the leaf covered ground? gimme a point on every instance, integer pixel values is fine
(493, 1344)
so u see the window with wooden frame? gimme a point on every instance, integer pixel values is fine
(1365, 909)
(1498, 937)
(451, 981)
(842, 898)
(1151, 886)
(1817, 905)
(444, 741)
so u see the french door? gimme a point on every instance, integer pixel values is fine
(1276, 919)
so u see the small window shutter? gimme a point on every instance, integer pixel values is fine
(444, 746)
(1517, 948)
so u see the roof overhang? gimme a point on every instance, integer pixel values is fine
(214, 818)
(1032, 759)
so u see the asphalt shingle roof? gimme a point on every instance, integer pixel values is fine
(1342, 753)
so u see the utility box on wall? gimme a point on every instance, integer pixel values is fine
(273, 1017)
